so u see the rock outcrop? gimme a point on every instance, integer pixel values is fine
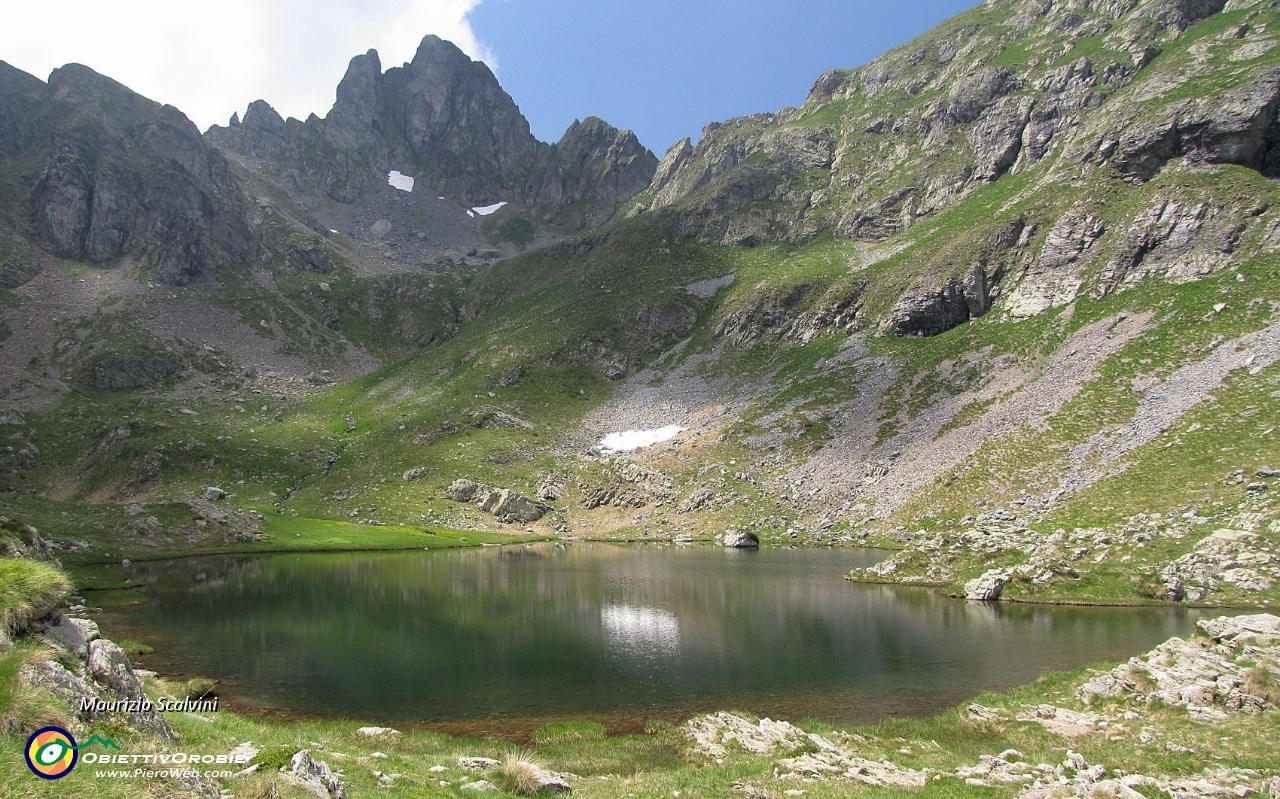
(509, 506)
(930, 312)
(823, 758)
(875, 150)
(1210, 678)
(315, 776)
(626, 484)
(1236, 557)
(109, 175)
(99, 683)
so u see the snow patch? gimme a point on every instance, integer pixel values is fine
(471, 213)
(629, 440)
(331, 230)
(399, 181)
(485, 210)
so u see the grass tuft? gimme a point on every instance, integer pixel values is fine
(24, 709)
(1261, 681)
(28, 590)
(518, 775)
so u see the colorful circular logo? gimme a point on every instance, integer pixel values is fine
(51, 753)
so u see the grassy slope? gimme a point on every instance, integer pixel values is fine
(422, 411)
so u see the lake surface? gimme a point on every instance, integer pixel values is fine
(502, 639)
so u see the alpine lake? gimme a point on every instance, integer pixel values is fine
(499, 640)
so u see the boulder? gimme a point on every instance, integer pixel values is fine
(740, 539)
(477, 763)
(988, 587)
(415, 474)
(213, 493)
(69, 687)
(73, 636)
(509, 506)
(244, 752)
(462, 490)
(375, 732)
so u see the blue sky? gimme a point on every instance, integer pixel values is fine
(664, 68)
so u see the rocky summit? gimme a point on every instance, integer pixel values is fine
(443, 119)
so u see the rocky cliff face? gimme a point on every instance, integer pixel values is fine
(445, 120)
(98, 173)
(1052, 96)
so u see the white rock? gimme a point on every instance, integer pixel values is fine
(477, 763)
(479, 786)
(374, 732)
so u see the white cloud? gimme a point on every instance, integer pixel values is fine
(212, 59)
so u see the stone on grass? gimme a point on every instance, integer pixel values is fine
(477, 763)
(479, 786)
(316, 776)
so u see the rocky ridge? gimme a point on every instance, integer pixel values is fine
(106, 174)
(443, 120)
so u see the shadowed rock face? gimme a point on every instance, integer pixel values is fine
(106, 173)
(446, 119)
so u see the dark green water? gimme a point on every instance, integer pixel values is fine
(518, 635)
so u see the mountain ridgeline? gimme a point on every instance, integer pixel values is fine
(1006, 293)
(444, 119)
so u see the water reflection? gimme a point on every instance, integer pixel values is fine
(641, 631)
(601, 631)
